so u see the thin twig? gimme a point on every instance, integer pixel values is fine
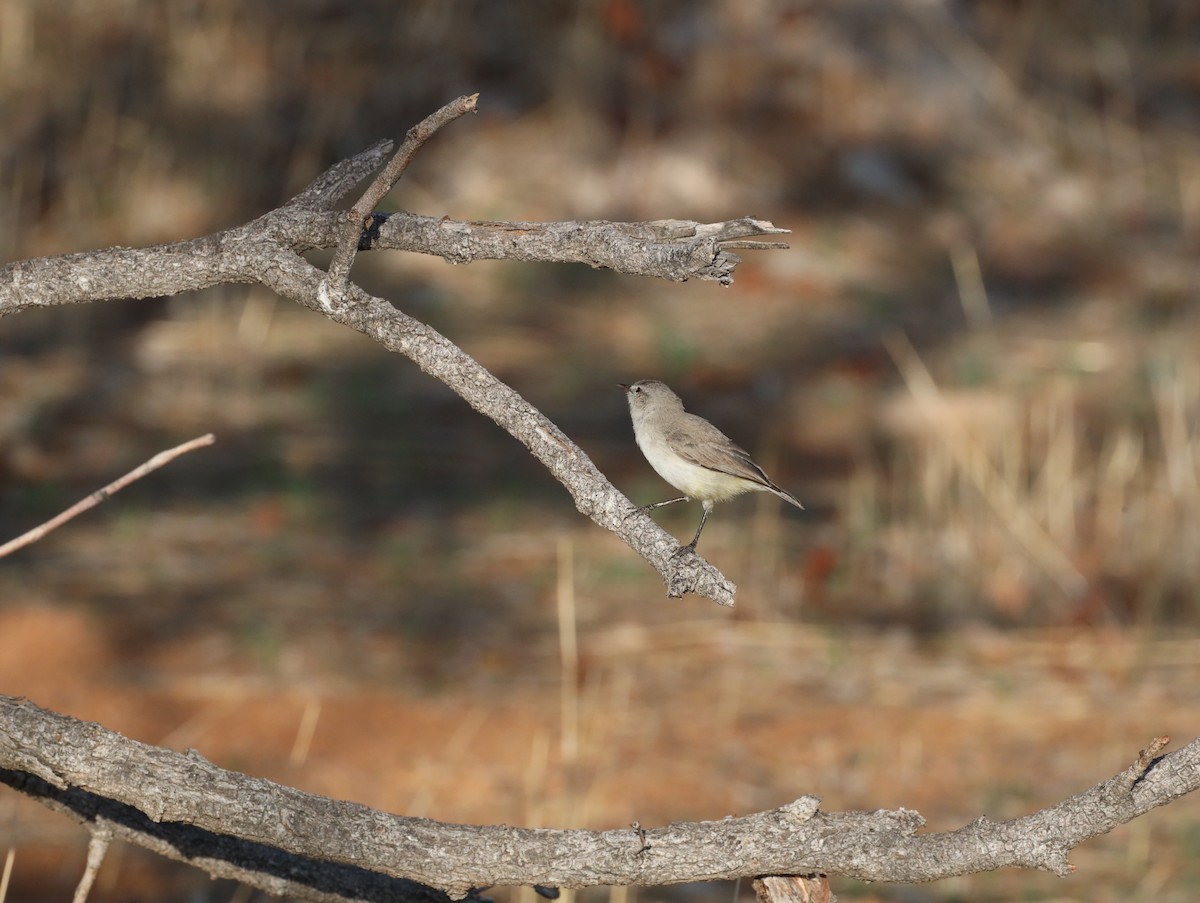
(359, 216)
(1145, 759)
(8, 865)
(97, 847)
(163, 457)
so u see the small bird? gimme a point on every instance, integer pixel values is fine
(690, 453)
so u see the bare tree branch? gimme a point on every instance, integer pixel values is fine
(97, 773)
(359, 216)
(666, 249)
(267, 251)
(337, 181)
(256, 865)
(159, 460)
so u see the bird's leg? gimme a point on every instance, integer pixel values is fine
(682, 498)
(691, 546)
(644, 508)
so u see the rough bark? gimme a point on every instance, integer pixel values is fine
(213, 817)
(793, 889)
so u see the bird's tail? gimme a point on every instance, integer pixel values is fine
(785, 495)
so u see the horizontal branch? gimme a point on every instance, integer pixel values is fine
(115, 273)
(667, 249)
(260, 866)
(90, 771)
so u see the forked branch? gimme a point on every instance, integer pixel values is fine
(359, 216)
(268, 251)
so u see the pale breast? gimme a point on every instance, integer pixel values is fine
(691, 479)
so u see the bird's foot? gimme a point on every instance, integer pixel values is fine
(641, 509)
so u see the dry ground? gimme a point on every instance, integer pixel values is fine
(674, 719)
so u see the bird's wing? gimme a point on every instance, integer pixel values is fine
(705, 445)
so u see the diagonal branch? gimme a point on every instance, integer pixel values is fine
(85, 769)
(160, 460)
(593, 494)
(335, 183)
(359, 215)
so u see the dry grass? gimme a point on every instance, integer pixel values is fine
(1033, 495)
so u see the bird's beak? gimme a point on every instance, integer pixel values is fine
(623, 386)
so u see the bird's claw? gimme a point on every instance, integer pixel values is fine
(641, 509)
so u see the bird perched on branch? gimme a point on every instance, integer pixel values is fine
(691, 454)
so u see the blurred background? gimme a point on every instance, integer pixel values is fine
(976, 366)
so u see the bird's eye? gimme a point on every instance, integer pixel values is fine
(637, 390)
